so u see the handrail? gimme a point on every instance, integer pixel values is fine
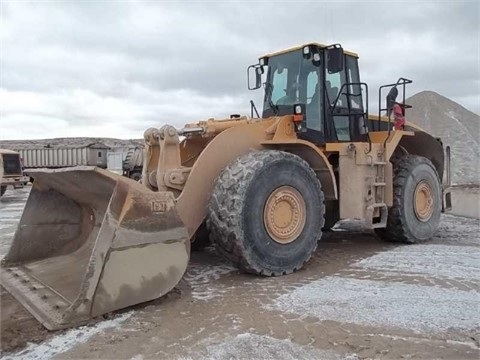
(401, 81)
(364, 113)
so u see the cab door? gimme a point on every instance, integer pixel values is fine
(314, 104)
(344, 113)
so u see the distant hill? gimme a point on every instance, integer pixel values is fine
(456, 126)
(69, 142)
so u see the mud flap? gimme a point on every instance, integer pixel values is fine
(447, 200)
(90, 242)
(446, 188)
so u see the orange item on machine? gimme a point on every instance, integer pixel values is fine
(398, 116)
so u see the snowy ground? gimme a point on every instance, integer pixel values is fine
(357, 298)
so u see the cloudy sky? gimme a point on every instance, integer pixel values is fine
(115, 68)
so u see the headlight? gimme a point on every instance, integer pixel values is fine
(298, 113)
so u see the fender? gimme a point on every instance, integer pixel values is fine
(424, 144)
(314, 157)
(274, 133)
(221, 151)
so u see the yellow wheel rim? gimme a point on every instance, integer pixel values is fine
(423, 201)
(284, 214)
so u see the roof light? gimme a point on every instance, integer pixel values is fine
(306, 52)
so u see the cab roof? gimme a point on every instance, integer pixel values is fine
(301, 47)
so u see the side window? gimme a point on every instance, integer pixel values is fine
(333, 85)
(342, 127)
(279, 84)
(314, 103)
(312, 82)
(353, 77)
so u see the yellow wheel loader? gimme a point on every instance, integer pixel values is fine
(262, 188)
(11, 171)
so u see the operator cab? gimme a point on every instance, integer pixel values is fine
(321, 81)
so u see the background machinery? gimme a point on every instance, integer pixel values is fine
(126, 161)
(90, 242)
(11, 171)
(133, 163)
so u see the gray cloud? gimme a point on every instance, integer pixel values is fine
(130, 65)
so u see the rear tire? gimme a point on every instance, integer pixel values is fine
(2, 190)
(417, 203)
(266, 212)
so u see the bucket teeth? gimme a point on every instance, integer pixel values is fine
(90, 242)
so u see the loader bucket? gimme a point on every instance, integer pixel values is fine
(90, 242)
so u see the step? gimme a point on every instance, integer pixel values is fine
(383, 215)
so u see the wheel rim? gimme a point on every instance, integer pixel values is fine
(423, 201)
(284, 214)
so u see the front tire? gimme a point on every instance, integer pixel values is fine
(417, 203)
(201, 238)
(266, 212)
(136, 176)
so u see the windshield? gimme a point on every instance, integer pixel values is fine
(291, 79)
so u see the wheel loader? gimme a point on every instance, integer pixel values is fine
(261, 187)
(11, 171)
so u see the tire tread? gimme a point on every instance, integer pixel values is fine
(397, 229)
(226, 205)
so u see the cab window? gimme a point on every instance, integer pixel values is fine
(314, 105)
(333, 85)
(353, 77)
(280, 79)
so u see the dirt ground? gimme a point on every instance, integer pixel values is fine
(358, 298)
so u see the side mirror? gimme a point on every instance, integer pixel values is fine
(335, 59)
(254, 76)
